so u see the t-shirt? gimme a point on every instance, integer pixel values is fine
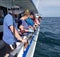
(30, 22)
(25, 24)
(8, 36)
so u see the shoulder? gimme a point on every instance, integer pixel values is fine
(8, 16)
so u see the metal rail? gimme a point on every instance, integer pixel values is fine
(13, 53)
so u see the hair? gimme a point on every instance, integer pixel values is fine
(26, 12)
(32, 13)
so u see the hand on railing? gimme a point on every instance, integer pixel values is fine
(24, 40)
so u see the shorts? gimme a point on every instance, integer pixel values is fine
(8, 47)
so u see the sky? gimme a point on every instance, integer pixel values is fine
(48, 8)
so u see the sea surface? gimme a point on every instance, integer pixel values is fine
(48, 44)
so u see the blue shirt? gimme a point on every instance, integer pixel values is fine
(30, 22)
(8, 36)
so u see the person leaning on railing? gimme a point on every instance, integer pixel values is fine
(23, 25)
(10, 33)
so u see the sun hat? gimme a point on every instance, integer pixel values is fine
(14, 10)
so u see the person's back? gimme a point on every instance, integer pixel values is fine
(7, 34)
(25, 24)
(30, 21)
(25, 28)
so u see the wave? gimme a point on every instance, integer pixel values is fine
(48, 44)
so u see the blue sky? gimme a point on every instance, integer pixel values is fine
(48, 8)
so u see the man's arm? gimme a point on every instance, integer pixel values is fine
(22, 29)
(16, 34)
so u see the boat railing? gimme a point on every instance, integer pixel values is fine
(19, 48)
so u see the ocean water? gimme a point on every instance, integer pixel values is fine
(48, 44)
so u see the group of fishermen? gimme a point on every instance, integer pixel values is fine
(16, 30)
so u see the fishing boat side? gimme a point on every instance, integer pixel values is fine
(33, 43)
